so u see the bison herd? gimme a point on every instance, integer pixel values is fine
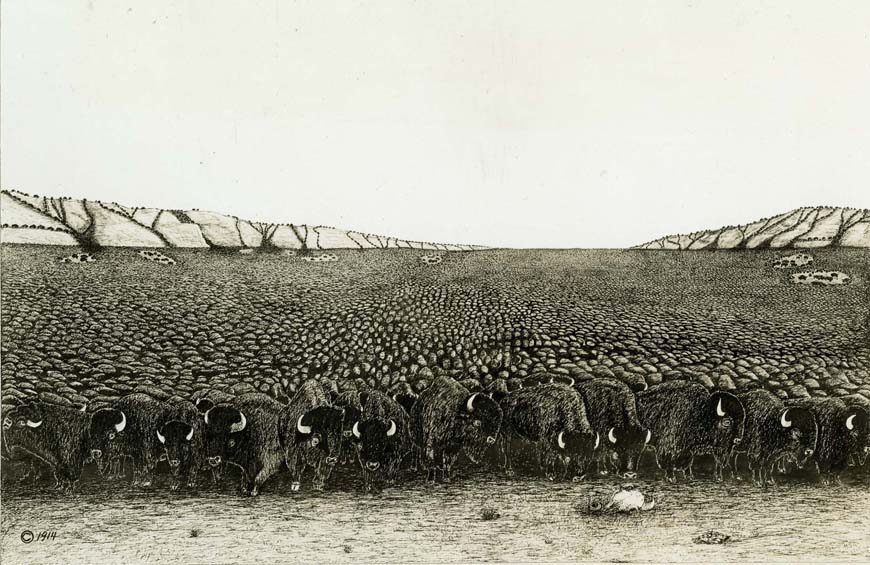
(573, 431)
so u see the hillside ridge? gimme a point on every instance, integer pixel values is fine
(804, 227)
(45, 220)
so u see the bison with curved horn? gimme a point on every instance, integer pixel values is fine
(57, 435)
(687, 421)
(138, 438)
(612, 411)
(382, 439)
(244, 433)
(106, 431)
(775, 432)
(842, 434)
(311, 434)
(448, 420)
(181, 437)
(551, 417)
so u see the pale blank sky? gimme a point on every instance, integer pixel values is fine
(523, 124)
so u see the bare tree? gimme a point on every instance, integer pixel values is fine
(267, 232)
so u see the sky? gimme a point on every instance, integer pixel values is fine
(495, 122)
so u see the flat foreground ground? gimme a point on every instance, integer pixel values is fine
(538, 521)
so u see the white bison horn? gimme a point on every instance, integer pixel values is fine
(561, 441)
(611, 436)
(239, 426)
(392, 431)
(119, 427)
(850, 425)
(719, 411)
(189, 435)
(648, 437)
(786, 423)
(83, 408)
(356, 431)
(645, 385)
(160, 437)
(32, 424)
(572, 381)
(205, 416)
(470, 404)
(597, 440)
(300, 428)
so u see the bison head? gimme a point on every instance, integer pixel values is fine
(226, 433)
(626, 444)
(577, 449)
(319, 434)
(178, 444)
(23, 426)
(801, 431)
(106, 433)
(379, 444)
(481, 417)
(728, 416)
(857, 426)
(203, 405)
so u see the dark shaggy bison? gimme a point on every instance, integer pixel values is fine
(687, 421)
(57, 435)
(182, 437)
(107, 430)
(446, 420)
(552, 417)
(842, 434)
(311, 434)
(142, 440)
(245, 433)
(382, 438)
(612, 411)
(775, 432)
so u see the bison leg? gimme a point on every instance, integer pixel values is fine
(447, 464)
(507, 456)
(261, 477)
(733, 463)
(296, 467)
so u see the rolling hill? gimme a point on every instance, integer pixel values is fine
(45, 220)
(821, 226)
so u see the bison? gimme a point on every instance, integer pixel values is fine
(144, 441)
(775, 432)
(107, 431)
(612, 411)
(182, 438)
(57, 435)
(842, 434)
(553, 418)
(245, 433)
(687, 421)
(311, 434)
(446, 420)
(382, 438)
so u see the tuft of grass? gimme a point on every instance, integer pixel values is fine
(548, 540)
(194, 532)
(347, 548)
(489, 514)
